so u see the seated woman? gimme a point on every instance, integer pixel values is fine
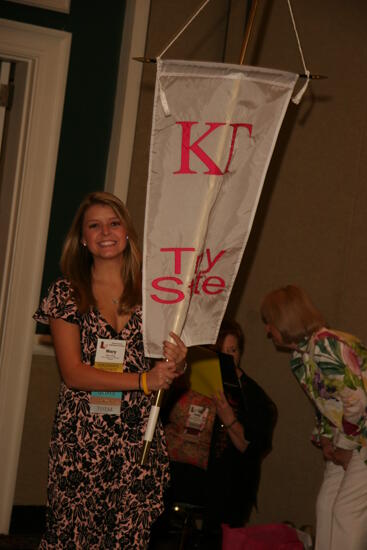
(216, 444)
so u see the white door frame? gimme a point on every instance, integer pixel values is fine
(127, 98)
(46, 53)
(4, 80)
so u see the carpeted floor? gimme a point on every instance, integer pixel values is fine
(26, 527)
(19, 542)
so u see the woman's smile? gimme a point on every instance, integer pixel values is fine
(103, 232)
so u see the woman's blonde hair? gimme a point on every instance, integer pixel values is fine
(291, 311)
(76, 260)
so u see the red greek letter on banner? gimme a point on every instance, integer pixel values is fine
(235, 127)
(213, 169)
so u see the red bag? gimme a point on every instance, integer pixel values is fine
(273, 536)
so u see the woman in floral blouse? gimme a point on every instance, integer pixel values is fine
(331, 367)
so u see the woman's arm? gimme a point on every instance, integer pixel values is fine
(230, 421)
(342, 457)
(350, 391)
(78, 375)
(343, 418)
(339, 456)
(327, 448)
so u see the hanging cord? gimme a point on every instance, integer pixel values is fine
(162, 94)
(297, 98)
(188, 22)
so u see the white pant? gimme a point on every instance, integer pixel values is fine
(341, 508)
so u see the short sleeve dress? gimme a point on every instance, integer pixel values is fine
(99, 496)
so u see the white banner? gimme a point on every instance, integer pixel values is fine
(214, 130)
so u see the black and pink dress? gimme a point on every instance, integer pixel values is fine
(99, 496)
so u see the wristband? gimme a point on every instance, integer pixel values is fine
(139, 381)
(231, 424)
(144, 383)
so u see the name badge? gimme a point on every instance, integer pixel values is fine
(196, 420)
(109, 357)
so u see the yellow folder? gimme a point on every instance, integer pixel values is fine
(205, 375)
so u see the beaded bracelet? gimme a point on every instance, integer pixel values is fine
(144, 383)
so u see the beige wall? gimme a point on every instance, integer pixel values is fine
(309, 228)
(310, 225)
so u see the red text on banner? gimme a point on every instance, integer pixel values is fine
(201, 282)
(187, 147)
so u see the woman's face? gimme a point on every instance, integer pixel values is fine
(231, 347)
(273, 333)
(278, 340)
(103, 232)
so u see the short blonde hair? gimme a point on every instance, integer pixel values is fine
(76, 260)
(291, 311)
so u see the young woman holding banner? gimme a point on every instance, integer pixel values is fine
(331, 367)
(98, 494)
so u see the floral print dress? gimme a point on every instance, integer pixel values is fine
(331, 367)
(99, 496)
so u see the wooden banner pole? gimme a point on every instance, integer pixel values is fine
(248, 30)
